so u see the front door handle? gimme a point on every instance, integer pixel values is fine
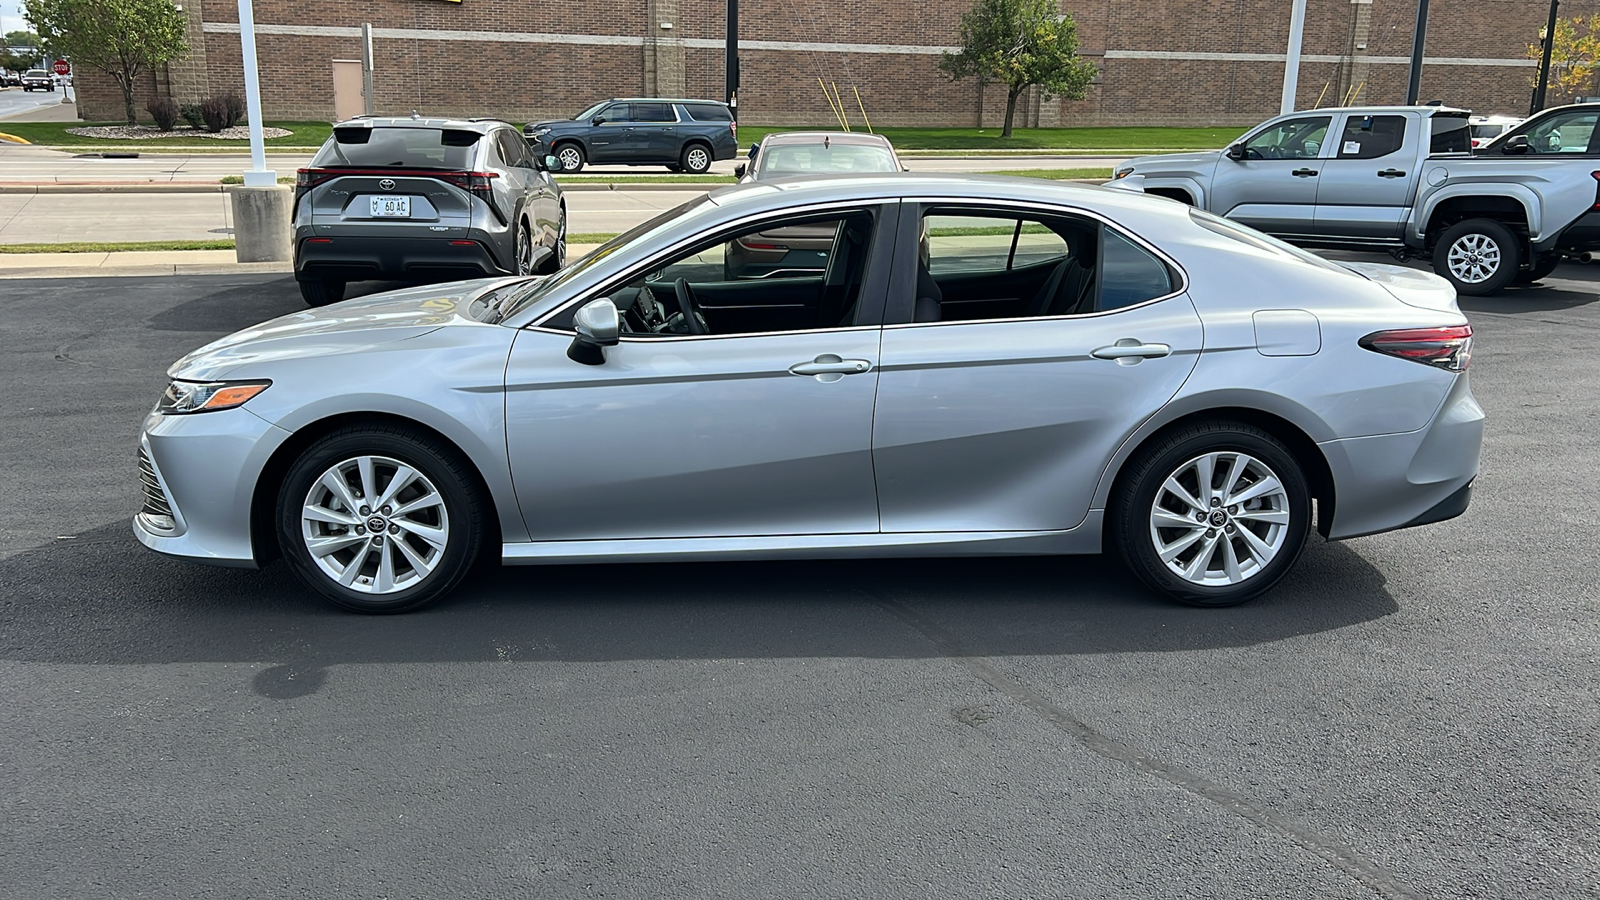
(829, 367)
(1391, 173)
(1129, 351)
(1303, 173)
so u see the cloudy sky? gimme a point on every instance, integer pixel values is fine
(11, 16)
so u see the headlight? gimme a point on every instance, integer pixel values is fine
(182, 397)
(1122, 173)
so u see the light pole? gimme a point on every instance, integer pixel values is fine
(1418, 38)
(1291, 65)
(1548, 38)
(731, 63)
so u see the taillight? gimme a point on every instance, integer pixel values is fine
(475, 183)
(1448, 348)
(734, 127)
(306, 179)
(1596, 176)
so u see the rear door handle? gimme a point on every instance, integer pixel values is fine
(1303, 173)
(828, 364)
(1391, 173)
(1129, 351)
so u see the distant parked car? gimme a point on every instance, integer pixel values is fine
(424, 200)
(38, 79)
(9, 78)
(1487, 128)
(801, 249)
(683, 135)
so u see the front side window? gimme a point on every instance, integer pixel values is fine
(1369, 137)
(1293, 139)
(1567, 132)
(616, 112)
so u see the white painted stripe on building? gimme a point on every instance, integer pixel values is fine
(622, 40)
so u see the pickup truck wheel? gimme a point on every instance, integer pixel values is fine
(571, 156)
(696, 159)
(1540, 268)
(1478, 256)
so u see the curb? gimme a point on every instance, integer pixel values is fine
(267, 268)
(121, 187)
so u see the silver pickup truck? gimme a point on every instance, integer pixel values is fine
(1401, 179)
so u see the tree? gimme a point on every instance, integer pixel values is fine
(23, 39)
(122, 38)
(1022, 44)
(1574, 57)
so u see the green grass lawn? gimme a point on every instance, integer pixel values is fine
(116, 246)
(54, 134)
(1120, 138)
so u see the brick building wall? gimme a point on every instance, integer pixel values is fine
(1162, 61)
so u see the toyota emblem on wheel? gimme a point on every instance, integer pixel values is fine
(387, 184)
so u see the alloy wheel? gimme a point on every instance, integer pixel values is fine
(1220, 518)
(698, 160)
(1474, 258)
(374, 524)
(524, 252)
(571, 158)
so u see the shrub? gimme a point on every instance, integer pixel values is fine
(191, 114)
(164, 111)
(215, 112)
(235, 108)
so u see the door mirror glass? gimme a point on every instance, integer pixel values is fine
(1516, 145)
(550, 164)
(1234, 152)
(598, 324)
(738, 171)
(754, 149)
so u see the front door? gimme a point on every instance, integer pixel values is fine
(1274, 187)
(1007, 424)
(1365, 187)
(610, 140)
(761, 426)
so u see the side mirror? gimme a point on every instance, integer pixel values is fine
(598, 120)
(738, 171)
(598, 324)
(549, 163)
(1516, 145)
(1234, 152)
(754, 149)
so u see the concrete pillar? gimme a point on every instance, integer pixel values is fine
(261, 223)
(189, 81)
(664, 73)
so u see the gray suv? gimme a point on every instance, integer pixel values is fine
(424, 200)
(683, 135)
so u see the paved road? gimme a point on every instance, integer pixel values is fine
(1409, 715)
(16, 102)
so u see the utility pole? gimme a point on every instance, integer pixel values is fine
(1291, 66)
(1544, 60)
(1418, 38)
(732, 62)
(366, 67)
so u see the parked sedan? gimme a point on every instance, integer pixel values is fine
(987, 366)
(424, 200)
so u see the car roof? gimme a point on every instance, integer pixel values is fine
(662, 100)
(1373, 110)
(479, 125)
(813, 137)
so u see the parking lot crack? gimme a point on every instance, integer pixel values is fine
(1341, 857)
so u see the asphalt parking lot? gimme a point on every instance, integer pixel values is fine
(1408, 715)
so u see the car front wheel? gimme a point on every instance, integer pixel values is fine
(1213, 514)
(1478, 256)
(380, 520)
(571, 156)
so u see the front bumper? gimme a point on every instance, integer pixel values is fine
(1391, 481)
(205, 468)
(394, 259)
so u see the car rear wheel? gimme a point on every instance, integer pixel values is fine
(1541, 267)
(696, 159)
(1478, 256)
(380, 520)
(322, 291)
(1213, 514)
(524, 249)
(558, 256)
(571, 156)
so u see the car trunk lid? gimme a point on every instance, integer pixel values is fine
(1423, 290)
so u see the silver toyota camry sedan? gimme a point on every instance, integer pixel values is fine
(970, 366)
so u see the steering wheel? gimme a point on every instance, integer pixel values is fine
(686, 306)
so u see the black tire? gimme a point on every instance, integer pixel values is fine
(696, 158)
(558, 254)
(322, 291)
(1474, 236)
(674, 168)
(1133, 530)
(1541, 267)
(463, 517)
(522, 249)
(571, 155)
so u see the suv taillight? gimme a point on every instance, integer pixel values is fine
(734, 127)
(1596, 177)
(476, 183)
(1448, 348)
(306, 179)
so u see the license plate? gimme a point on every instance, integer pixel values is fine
(391, 207)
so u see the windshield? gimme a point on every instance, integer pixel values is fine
(1487, 131)
(810, 159)
(591, 112)
(526, 294)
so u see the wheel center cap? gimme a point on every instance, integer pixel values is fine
(376, 523)
(1218, 517)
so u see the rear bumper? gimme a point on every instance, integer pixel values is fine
(394, 259)
(1584, 234)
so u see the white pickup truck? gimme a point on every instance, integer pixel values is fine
(1402, 179)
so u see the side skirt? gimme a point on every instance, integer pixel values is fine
(1083, 539)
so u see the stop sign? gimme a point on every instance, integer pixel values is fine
(62, 68)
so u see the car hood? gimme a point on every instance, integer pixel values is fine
(1169, 162)
(1423, 290)
(549, 123)
(348, 327)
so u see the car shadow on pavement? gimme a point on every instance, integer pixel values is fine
(99, 598)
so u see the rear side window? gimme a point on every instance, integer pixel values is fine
(1129, 274)
(1369, 137)
(708, 112)
(653, 112)
(419, 148)
(1451, 134)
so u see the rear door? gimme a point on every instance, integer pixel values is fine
(655, 133)
(1274, 188)
(1366, 186)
